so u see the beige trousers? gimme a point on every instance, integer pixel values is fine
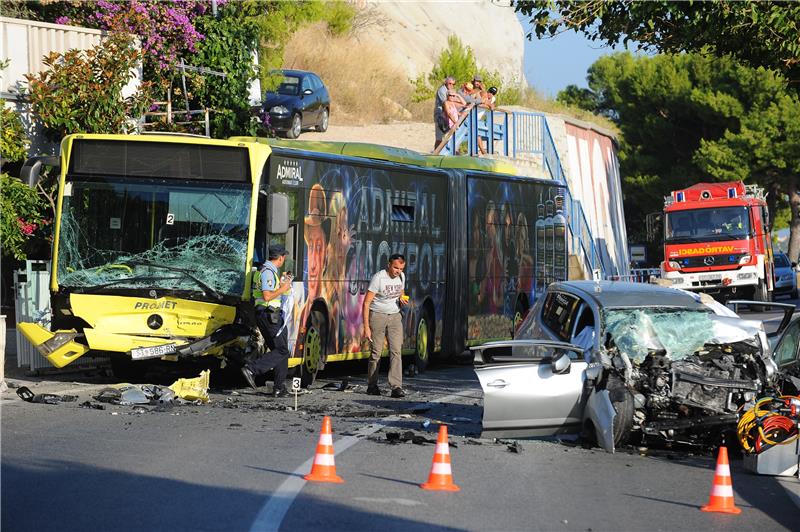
(386, 326)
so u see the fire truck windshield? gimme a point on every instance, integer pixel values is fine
(708, 224)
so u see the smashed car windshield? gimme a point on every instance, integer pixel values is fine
(676, 332)
(137, 233)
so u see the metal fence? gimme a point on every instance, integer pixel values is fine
(638, 275)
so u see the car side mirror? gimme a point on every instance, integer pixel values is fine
(561, 364)
(308, 91)
(794, 265)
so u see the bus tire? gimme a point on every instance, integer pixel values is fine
(313, 347)
(423, 344)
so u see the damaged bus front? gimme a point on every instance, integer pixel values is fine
(152, 247)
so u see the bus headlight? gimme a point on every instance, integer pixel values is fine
(745, 259)
(674, 265)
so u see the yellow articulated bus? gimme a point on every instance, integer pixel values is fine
(155, 237)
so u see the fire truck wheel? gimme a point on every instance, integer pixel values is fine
(761, 293)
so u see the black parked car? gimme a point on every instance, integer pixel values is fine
(301, 101)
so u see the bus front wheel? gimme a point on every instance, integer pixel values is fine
(314, 348)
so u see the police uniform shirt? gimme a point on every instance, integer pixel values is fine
(269, 277)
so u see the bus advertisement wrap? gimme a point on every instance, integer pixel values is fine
(509, 263)
(354, 218)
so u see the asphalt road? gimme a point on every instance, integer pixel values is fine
(237, 462)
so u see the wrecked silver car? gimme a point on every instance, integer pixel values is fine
(613, 359)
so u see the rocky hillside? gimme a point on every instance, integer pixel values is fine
(414, 33)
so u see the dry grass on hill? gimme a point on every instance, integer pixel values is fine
(367, 88)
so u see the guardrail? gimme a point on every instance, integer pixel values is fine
(638, 275)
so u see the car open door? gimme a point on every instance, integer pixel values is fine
(531, 387)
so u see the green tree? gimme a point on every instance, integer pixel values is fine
(759, 33)
(13, 142)
(581, 98)
(230, 40)
(20, 215)
(764, 150)
(277, 21)
(20, 207)
(458, 61)
(81, 91)
(669, 109)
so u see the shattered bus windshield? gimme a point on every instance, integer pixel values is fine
(141, 233)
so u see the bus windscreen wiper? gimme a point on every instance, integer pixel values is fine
(183, 271)
(97, 287)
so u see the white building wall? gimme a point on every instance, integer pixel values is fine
(26, 44)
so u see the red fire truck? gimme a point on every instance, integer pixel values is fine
(716, 240)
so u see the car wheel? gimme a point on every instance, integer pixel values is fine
(622, 401)
(424, 342)
(314, 348)
(297, 125)
(322, 127)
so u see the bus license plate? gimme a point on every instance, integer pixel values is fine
(155, 351)
(710, 277)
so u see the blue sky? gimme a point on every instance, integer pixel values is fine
(552, 64)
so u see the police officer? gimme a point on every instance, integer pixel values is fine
(268, 286)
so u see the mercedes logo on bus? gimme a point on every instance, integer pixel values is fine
(708, 261)
(154, 321)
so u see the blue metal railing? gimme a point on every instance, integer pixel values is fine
(522, 133)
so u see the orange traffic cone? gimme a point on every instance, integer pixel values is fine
(721, 499)
(324, 468)
(441, 476)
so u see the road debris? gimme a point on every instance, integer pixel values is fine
(193, 389)
(26, 394)
(408, 436)
(515, 447)
(93, 406)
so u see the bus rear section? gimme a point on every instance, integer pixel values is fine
(153, 241)
(517, 230)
